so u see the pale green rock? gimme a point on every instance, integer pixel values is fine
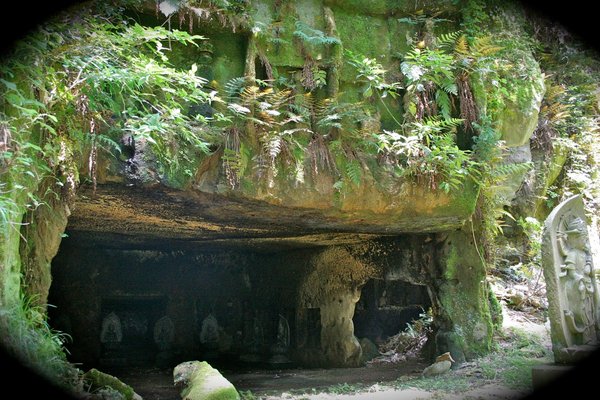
(437, 368)
(99, 380)
(200, 381)
(560, 153)
(516, 126)
(511, 183)
(364, 35)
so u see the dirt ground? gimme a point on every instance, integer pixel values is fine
(154, 384)
(376, 381)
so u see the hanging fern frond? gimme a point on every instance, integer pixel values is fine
(354, 172)
(104, 142)
(484, 47)
(462, 46)
(234, 87)
(504, 170)
(272, 146)
(313, 36)
(279, 98)
(250, 93)
(441, 124)
(443, 101)
(449, 87)
(448, 40)
(330, 121)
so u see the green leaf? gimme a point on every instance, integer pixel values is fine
(354, 172)
(9, 85)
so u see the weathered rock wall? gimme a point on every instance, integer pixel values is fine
(381, 203)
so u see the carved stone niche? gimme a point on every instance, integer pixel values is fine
(573, 300)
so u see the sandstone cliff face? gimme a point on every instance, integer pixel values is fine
(264, 184)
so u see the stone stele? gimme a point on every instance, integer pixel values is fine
(573, 302)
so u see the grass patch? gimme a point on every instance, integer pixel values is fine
(517, 353)
(344, 388)
(26, 335)
(446, 383)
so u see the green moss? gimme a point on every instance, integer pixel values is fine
(560, 154)
(463, 201)
(10, 263)
(228, 59)
(364, 35)
(495, 309)
(207, 383)
(393, 7)
(463, 295)
(275, 26)
(401, 36)
(369, 7)
(98, 380)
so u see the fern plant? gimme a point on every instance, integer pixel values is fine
(281, 126)
(313, 38)
(427, 152)
(430, 80)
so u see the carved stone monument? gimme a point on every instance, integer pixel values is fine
(281, 347)
(209, 337)
(111, 333)
(573, 301)
(111, 336)
(164, 336)
(164, 333)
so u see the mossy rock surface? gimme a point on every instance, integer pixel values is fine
(99, 380)
(200, 381)
(464, 298)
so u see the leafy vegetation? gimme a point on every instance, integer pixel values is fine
(410, 341)
(92, 81)
(96, 83)
(313, 37)
(424, 147)
(27, 336)
(72, 90)
(512, 362)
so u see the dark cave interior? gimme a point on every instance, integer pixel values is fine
(225, 304)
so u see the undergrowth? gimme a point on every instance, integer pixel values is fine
(26, 335)
(517, 352)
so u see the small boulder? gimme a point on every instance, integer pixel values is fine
(197, 380)
(369, 350)
(99, 381)
(441, 365)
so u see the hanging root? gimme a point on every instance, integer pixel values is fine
(468, 107)
(231, 157)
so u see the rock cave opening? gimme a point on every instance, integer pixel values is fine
(234, 306)
(148, 292)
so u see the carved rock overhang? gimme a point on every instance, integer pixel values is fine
(130, 217)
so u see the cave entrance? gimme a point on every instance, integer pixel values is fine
(233, 306)
(387, 306)
(137, 282)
